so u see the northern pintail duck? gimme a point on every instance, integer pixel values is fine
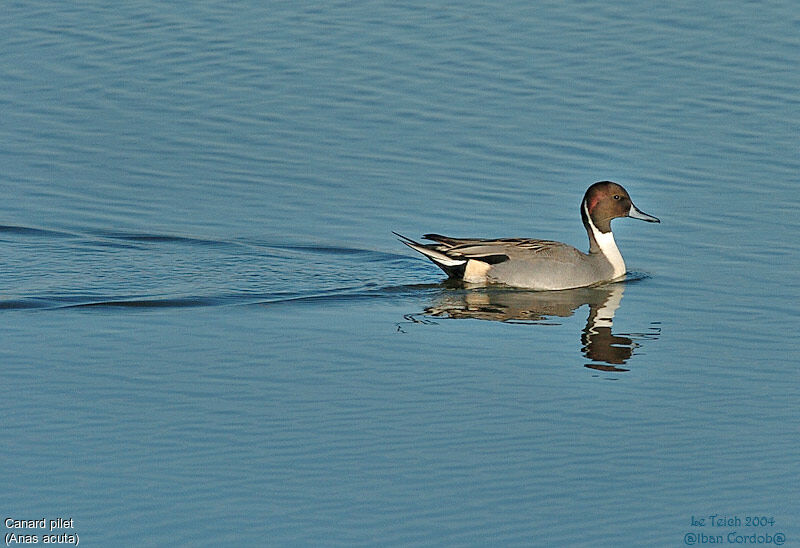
(541, 264)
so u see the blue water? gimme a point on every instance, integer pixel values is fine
(211, 336)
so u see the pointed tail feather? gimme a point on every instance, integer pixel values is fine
(450, 265)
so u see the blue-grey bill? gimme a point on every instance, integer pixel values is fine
(636, 213)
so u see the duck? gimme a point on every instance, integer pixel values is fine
(541, 265)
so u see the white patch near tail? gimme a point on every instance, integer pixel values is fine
(475, 272)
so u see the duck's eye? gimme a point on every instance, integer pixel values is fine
(616, 196)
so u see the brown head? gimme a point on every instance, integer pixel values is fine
(607, 200)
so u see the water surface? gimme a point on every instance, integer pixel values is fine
(212, 337)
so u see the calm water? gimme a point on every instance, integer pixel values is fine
(211, 337)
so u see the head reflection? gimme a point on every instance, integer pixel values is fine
(598, 343)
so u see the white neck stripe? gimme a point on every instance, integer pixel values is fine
(608, 247)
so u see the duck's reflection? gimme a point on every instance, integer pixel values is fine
(606, 350)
